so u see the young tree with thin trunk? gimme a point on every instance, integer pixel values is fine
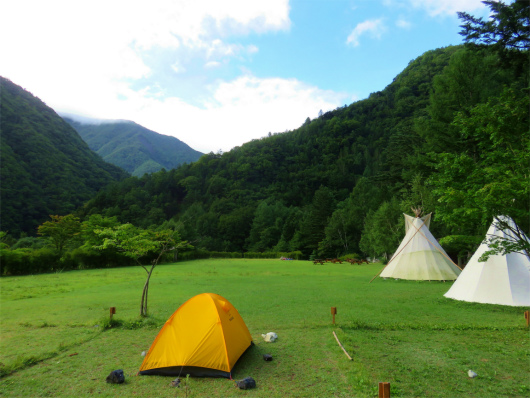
(140, 244)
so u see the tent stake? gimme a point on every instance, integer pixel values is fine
(340, 345)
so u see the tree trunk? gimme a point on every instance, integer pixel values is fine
(143, 305)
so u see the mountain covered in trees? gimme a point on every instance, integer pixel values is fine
(46, 167)
(131, 146)
(449, 134)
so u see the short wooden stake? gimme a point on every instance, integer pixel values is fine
(112, 311)
(384, 390)
(527, 317)
(333, 312)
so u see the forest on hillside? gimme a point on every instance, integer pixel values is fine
(46, 168)
(132, 147)
(450, 134)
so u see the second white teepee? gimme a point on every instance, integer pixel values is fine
(420, 256)
(503, 280)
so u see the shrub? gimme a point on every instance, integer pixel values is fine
(30, 242)
(81, 258)
(350, 255)
(27, 261)
(194, 255)
(199, 254)
(297, 255)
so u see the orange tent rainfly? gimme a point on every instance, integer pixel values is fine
(204, 337)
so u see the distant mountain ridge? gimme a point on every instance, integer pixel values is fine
(47, 169)
(131, 146)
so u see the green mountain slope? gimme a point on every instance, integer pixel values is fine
(46, 167)
(371, 139)
(340, 183)
(133, 147)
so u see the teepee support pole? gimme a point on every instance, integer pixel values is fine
(384, 390)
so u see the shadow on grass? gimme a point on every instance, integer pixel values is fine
(24, 362)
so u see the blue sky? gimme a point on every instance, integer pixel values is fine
(217, 74)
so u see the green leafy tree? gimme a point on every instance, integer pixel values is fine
(314, 221)
(508, 27)
(383, 230)
(3, 240)
(267, 225)
(344, 229)
(235, 227)
(338, 233)
(289, 226)
(138, 244)
(418, 195)
(470, 78)
(61, 230)
(513, 241)
(507, 32)
(95, 223)
(462, 245)
(491, 179)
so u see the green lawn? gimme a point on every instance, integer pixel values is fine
(53, 341)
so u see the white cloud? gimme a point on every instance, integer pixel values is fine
(218, 49)
(403, 24)
(447, 7)
(373, 27)
(86, 57)
(178, 68)
(212, 64)
(62, 39)
(241, 110)
(252, 49)
(237, 111)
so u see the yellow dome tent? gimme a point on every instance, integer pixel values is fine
(204, 337)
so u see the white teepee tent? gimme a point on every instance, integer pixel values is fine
(503, 280)
(420, 256)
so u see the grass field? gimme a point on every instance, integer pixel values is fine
(55, 340)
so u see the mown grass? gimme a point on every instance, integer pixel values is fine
(56, 338)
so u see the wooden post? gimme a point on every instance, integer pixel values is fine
(527, 317)
(384, 390)
(333, 312)
(112, 312)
